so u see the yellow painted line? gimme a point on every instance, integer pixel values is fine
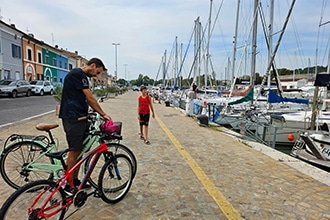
(219, 198)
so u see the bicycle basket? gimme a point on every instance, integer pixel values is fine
(110, 127)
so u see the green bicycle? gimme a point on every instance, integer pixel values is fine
(23, 158)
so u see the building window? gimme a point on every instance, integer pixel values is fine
(65, 66)
(46, 59)
(29, 54)
(39, 57)
(54, 61)
(18, 75)
(16, 51)
(70, 66)
(6, 74)
(60, 64)
(29, 69)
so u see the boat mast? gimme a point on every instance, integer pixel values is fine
(164, 69)
(228, 74)
(254, 43)
(276, 47)
(197, 39)
(316, 90)
(235, 43)
(270, 36)
(176, 63)
(207, 47)
(181, 62)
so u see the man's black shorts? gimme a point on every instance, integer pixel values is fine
(144, 119)
(76, 132)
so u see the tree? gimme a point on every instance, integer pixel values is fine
(121, 82)
(139, 80)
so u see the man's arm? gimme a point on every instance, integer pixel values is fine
(94, 104)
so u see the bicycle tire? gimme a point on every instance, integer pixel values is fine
(122, 149)
(115, 148)
(13, 159)
(115, 179)
(17, 205)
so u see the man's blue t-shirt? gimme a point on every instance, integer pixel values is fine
(73, 103)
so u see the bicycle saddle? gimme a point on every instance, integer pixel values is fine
(46, 127)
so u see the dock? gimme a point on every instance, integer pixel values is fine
(191, 171)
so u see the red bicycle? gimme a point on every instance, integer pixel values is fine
(43, 199)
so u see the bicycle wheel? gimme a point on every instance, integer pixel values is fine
(115, 179)
(13, 163)
(25, 204)
(122, 149)
(116, 149)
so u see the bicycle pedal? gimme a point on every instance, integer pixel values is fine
(97, 194)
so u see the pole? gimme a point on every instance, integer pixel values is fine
(116, 71)
(125, 71)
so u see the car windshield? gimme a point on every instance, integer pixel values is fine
(39, 83)
(5, 82)
(13, 83)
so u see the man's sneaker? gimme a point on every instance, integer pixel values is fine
(77, 182)
(68, 190)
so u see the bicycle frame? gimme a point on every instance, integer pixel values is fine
(58, 206)
(57, 167)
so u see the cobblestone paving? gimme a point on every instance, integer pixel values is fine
(165, 186)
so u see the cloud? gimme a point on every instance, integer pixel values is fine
(146, 28)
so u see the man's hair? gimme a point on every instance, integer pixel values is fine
(97, 62)
(142, 88)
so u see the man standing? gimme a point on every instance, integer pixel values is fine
(76, 97)
(194, 88)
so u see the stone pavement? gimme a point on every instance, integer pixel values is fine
(195, 172)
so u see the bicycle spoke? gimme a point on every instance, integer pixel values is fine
(27, 202)
(115, 179)
(13, 164)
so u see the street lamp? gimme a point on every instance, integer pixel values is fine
(125, 71)
(116, 44)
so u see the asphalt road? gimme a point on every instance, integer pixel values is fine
(17, 109)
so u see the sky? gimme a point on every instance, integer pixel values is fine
(145, 29)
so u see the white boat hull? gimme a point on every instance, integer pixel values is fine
(291, 123)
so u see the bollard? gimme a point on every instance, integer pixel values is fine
(203, 120)
(242, 127)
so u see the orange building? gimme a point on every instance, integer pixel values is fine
(32, 58)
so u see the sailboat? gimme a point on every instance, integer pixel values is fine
(293, 124)
(256, 107)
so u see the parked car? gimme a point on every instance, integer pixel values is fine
(14, 88)
(40, 87)
(135, 88)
